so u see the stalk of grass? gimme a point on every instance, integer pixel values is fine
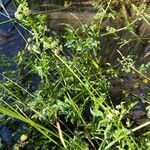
(7, 21)
(77, 77)
(142, 14)
(60, 134)
(126, 134)
(18, 99)
(23, 89)
(15, 114)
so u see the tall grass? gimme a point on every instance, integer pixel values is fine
(71, 106)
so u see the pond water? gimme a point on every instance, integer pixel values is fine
(11, 40)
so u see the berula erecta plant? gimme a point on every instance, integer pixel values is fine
(70, 106)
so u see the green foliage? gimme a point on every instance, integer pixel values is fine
(84, 39)
(144, 68)
(71, 105)
(4, 63)
(116, 4)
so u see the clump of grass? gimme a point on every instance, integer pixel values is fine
(71, 106)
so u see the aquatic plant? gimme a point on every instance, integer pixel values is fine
(71, 106)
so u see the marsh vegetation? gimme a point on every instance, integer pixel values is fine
(85, 86)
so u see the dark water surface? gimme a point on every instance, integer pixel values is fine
(10, 39)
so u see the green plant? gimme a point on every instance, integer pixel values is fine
(71, 105)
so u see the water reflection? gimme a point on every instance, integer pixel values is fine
(11, 40)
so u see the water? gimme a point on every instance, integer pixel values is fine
(10, 39)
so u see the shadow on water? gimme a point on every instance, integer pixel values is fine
(11, 41)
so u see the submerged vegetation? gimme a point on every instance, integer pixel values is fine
(69, 92)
